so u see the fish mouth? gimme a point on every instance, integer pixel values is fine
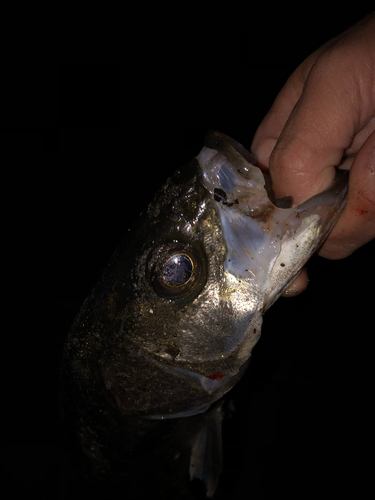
(267, 241)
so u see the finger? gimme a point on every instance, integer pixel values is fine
(356, 225)
(298, 285)
(273, 123)
(335, 105)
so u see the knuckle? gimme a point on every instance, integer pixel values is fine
(292, 157)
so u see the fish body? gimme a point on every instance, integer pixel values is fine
(170, 327)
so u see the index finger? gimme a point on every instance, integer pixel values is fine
(270, 128)
(318, 115)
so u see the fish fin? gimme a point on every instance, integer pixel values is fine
(206, 460)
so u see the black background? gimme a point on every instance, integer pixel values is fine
(301, 423)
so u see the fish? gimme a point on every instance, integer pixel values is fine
(171, 325)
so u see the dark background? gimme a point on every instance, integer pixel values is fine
(301, 423)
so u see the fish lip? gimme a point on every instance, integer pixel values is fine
(260, 234)
(228, 146)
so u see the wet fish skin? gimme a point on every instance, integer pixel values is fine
(148, 346)
(111, 380)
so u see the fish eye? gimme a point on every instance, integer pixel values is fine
(178, 272)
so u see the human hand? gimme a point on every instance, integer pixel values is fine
(322, 117)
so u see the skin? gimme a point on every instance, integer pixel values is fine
(322, 117)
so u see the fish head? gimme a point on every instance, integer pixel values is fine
(208, 257)
(192, 311)
(171, 325)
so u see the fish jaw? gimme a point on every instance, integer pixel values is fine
(304, 230)
(266, 246)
